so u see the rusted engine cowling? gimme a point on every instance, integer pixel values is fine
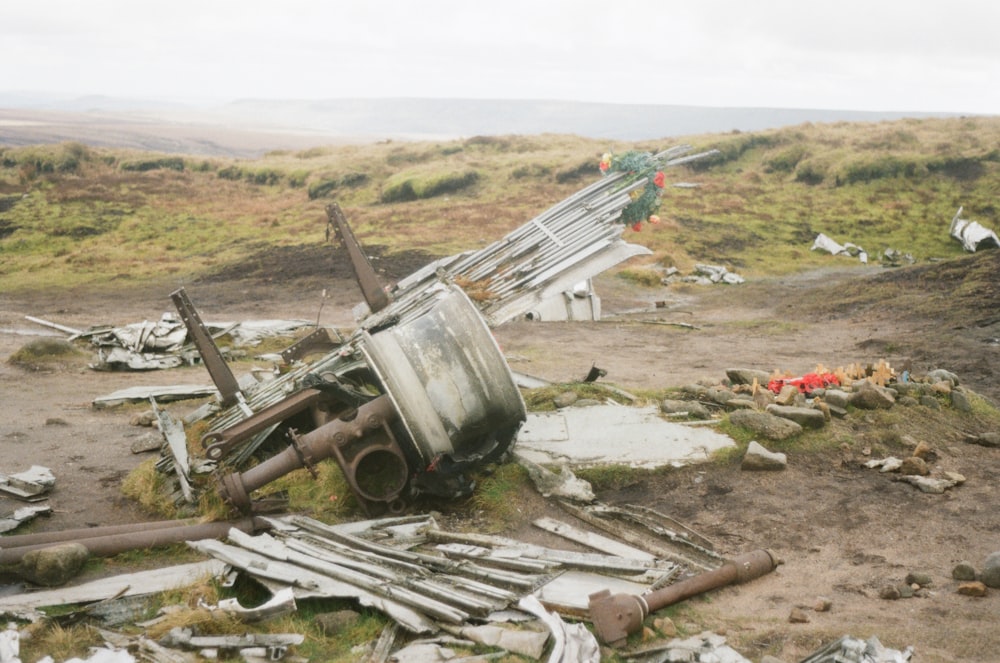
(452, 403)
(451, 387)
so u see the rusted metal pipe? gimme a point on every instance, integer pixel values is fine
(62, 536)
(335, 439)
(616, 616)
(113, 544)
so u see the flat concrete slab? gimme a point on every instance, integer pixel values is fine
(615, 435)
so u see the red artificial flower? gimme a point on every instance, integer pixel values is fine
(604, 166)
(637, 226)
(658, 180)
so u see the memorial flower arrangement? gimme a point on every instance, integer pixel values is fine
(645, 201)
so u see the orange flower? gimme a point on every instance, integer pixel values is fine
(605, 162)
(654, 219)
(659, 179)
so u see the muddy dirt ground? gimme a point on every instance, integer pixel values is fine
(843, 531)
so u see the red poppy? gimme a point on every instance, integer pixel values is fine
(658, 180)
(604, 166)
(637, 226)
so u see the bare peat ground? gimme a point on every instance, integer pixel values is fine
(843, 531)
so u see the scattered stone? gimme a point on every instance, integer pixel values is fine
(914, 466)
(803, 416)
(929, 401)
(747, 376)
(963, 571)
(918, 578)
(908, 401)
(941, 388)
(941, 375)
(960, 401)
(771, 659)
(787, 395)
(740, 403)
(836, 398)
(890, 464)
(924, 451)
(991, 571)
(973, 588)
(955, 476)
(691, 409)
(990, 439)
(838, 412)
(928, 484)
(823, 604)
(889, 593)
(587, 402)
(666, 626)
(565, 399)
(720, 396)
(648, 634)
(144, 419)
(798, 616)
(334, 623)
(765, 425)
(55, 565)
(147, 442)
(871, 397)
(824, 408)
(906, 591)
(759, 458)
(56, 421)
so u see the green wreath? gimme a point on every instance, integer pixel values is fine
(646, 201)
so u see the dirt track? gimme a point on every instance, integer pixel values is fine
(843, 531)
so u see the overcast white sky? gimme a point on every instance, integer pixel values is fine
(900, 55)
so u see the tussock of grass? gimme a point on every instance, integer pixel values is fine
(46, 353)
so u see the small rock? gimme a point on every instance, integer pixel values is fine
(991, 571)
(941, 375)
(906, 591)
(824, 408)
(691, 409)
(648, 634)
(146, 442)
(889, 593)
(587, 402)
(720, 395)
(565, 399)
(954, 476)
(923, 450)
(870, 397)
(914, 466)
(941, 388)
(335, 623)
(823, 604)
(930, 402)
(55, 565)
(771, 659)
(918, 578)
(960, 401)
(759, 458)
(787, 395)
(972, 588)
(798, 616)
(836, 398)
(908, 401)
(740, 403)
(56, 421)
(144, 419)
(747, 376)
(963, 571)
(990, 439)
(803, 416)
(765, 425)
(666, 626)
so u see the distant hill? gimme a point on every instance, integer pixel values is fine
(251, 127)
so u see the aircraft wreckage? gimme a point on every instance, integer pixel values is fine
(420, 394)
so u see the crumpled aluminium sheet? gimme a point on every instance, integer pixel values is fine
(856, 650)
(971, 234)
